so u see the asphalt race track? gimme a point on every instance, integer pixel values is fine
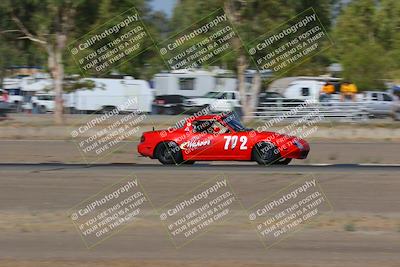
(362, 229)
(208, 167)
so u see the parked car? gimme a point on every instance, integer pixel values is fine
(215, 101)
(22, 88)
(169, 104)
(396, 111)
(4, 105)
(396, 107)
(43, 102)
(378, 103)
(274, 99)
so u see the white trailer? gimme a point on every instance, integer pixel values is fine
(193, 83)
(128, 93)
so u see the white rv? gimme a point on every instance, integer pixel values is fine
(193, 83)
(129, 93)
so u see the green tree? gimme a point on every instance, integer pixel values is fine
(47, 23)
(388, 19)
(367, 42)
(52, 24)
(14, 51)
(146, 64)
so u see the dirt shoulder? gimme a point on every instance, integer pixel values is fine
(41, 127)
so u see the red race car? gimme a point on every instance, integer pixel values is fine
(220, 137)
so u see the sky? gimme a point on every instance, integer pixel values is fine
(163, 5)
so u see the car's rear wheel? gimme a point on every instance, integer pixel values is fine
(168, 153)
(282, 161)
(265, 153)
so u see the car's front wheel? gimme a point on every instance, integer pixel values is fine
(168, 153)
(265, 153)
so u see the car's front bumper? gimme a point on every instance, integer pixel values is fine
(145, 150)
(296, 150)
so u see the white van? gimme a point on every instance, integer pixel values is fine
(108, 94)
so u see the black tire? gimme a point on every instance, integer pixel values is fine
(42, 110)
(154, 109)
(107, 109)
(282, 161)
(168, 153)
(18, 106)
(396, 115)
(169, 111)
(265, 153)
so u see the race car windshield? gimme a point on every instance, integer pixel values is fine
(237, 126)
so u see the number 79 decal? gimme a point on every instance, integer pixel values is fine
(231, 142)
